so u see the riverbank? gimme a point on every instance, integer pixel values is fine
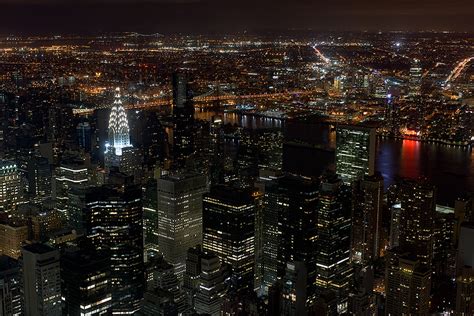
(466, 145)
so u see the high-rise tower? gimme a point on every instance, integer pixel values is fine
(416, 75)
(41, 280)
(465, 271)
(334, 271)
(290, 230)
(119, 131)
(210, 294)
(9, 185)
(179, 212)
(183, 120)
(114, 215)
(85, 281)
(229, 231)
(355, 152)
(10, 287)
(119, 152)
(418, 201)
(367, 218)
(407, 285)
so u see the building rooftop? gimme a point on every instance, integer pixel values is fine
(7, 263)
(38, 248)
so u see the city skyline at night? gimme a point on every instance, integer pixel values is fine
(265, 158)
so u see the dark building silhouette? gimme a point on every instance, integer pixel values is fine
(229, 231)
(114, 223)
(334, 271)
(308, 146)
(407, 285)
(11, 296)
(183, 120)
(290, 230)
(86, 282)
(367, 218)
(418, 203)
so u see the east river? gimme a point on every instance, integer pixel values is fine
(450, 168)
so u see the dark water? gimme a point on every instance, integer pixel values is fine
(450, 168)
(242, 120)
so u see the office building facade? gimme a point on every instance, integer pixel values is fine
(179, 217)
(407, 285)
(229, 231)
(367, 219)
(183, 121)
(417, 210)
(355, 152)
(86, 282)
(41, 280)
(114, 224)
(334, 271)
(9, 185)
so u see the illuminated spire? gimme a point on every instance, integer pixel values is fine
(119, 132)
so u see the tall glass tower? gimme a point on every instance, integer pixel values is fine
(179, 212)
(416, 76)
(334, 271)
(355, 152)
(9, 185)
(229, 231)
(183, 121)
(114, 215)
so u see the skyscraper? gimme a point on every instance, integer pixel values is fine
(289, 229)
(158, 302)
(12, 237)
(183, 120)
(114, 224)
(150, 219)
(39, 178)
(407, 285)
(9, 185)
(229, 231)
(179, 217)
(119, 131)
(41, 280)
(84, 136)
(463, 212)
(333, 245)
(394, 226)
(119, 151)
(86, 282)
(210, 295)
(414, 82)
(444, 257)
(10, 291)
(367, 219)
(216, 150)
(417, 210)
(193, 273)
(164, 279)
(355, 152)
(70, 178)
(294, 289)
(362, 299)
(465, 271)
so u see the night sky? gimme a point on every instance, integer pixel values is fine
(226, 16)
